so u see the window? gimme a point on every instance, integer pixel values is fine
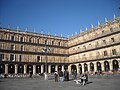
(12, 38)
(59, 43)
(112, 39)
(30, 40)
(20, 58)
(103, 32)
(38, 41)
(105, 53)
(52, 42)
(111, 29)
(45, 41)
(21, 39)
(38, 58)
(22, 48)
(12, 47)
(12, 57)
(1, 57)
(104, 41)
(84, 47)
(114, 52)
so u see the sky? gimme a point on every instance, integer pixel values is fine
(58, 17)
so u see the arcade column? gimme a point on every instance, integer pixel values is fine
(42, 68)
(69, 68)
(16, 68)
(6, 68)
(25, 69)
(49, 68)
(34, 69)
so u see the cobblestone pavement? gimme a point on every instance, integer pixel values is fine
(95, 83)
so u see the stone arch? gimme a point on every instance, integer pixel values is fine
(52, 68)
(2, 68)
(65, 67)
(38, 68)
(106, 66)
(11, 68)
(91, 67)
(115, 65)
(85, 67)
(73, 68)
(30, 68)
(98, 66)
(20, 68)
(59, 67)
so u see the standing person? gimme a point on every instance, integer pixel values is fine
(60, 75)
(65, 75)
(31, 74)
(75, 73)
(72, 72)
(86, 75)
(56, 76)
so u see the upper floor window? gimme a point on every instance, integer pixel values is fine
(12, 57)
(104, 41)
(22, 48)
(1, 57)
(105, 53)
(59, 43)
(20, 58)
(38, 58)
(21, 39)
(103, 31)
(114, 52)
(52, 42)
(84, 47)
(112, 39)
(12, 38)
(30, 40)
(12, 47)
(38, 40)
(45, 41)
(111, 29)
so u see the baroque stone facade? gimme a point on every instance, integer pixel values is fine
(94, 50)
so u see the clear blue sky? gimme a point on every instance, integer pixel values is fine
(56, 16)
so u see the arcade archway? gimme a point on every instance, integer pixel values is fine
(115, 65)
(29, 68)
(91, 67)
(85, 67)
(20, 68)
(98, 66)
(38, 69)
(11, 68)
(106, 66)
(80, 68)
(52, 68)
(2, 68)
(59, 67)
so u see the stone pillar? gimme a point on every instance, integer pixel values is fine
(42, 68)
(63, 68)
(49, 68)
(88, 64)
(102, 66)
(56, 68)
(110, 65)
(119, 63)
(25, 69)
(16, 68)
(77, 66)
(34, 69)
(82, 67)
(69, 69)
(6, 68)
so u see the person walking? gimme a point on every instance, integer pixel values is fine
(56, 76)
(60, 73)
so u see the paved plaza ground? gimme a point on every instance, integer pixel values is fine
(111, 82)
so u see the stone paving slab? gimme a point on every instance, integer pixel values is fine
(95, 83)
